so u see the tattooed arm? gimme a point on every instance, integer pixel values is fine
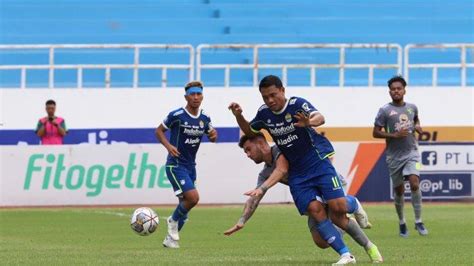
(250, 207)
(256, 195)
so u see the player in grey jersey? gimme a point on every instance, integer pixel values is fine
(399, 120)
(274, 171)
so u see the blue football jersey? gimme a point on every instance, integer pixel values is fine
(186, 134)
(303, 147)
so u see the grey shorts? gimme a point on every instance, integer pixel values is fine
(400, 170)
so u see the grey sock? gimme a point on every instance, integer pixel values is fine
(416, 202)
(354, 230)
(399, 200)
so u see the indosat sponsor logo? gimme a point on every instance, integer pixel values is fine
(54, 174)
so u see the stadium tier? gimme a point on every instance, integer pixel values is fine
(215, 22)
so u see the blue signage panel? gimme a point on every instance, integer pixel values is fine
(105, 136)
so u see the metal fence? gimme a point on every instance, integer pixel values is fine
(136, 66)
(462, 65)
(402, 61)
(341, 65)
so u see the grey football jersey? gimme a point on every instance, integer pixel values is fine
(394, 118)
(268, 169)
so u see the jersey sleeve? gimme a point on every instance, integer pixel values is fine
(305, 106)
(275, 153)
(257, 123)
(170, 119)
(380, 119)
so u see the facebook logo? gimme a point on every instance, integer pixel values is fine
(429, 158)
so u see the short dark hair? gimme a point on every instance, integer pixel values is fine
(50, 102)
(270, 80)
(397, 79)
(245, 138)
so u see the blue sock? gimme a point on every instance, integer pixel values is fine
(179, 212)
(182, 221)
(351, 204)
(329, 233)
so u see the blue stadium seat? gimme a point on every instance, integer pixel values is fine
(233, 21)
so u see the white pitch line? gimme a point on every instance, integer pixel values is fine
(120, 214)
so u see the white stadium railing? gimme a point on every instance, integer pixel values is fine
(341, 65)
(136, 65)
(462, 65)
(402, 64)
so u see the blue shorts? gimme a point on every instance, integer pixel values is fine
(182, 178)
(321, 182)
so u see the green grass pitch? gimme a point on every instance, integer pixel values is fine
(275, 235)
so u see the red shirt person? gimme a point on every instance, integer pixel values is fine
(51, 129)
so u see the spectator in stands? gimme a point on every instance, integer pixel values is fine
(51, 129)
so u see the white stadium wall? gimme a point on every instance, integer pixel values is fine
(135, 108)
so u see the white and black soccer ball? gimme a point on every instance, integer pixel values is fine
(144, 221)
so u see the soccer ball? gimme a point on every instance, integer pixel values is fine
(144, 221)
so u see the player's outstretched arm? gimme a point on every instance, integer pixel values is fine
(281, 171)
(256, 195)
(160, 135)
(243, 123)
(250, 207)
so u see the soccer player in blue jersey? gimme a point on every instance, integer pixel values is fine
(311, 174)
(187, 125)
(275, 170)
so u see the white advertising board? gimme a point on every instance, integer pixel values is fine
(121, 174)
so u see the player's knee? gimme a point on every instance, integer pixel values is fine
(317, 211)
(194, 200)
(414, 185)
(191, 198)
(400, 190)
